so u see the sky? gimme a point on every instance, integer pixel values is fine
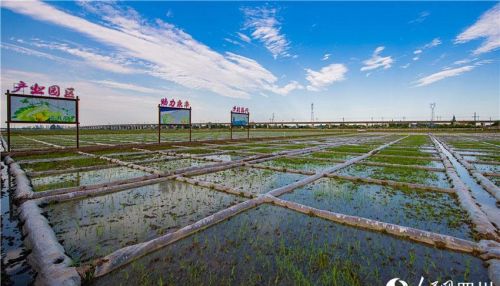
(353, 60)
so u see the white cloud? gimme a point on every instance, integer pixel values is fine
(376, 61)
(267, 29)
(91, 57)
(463, 61)
(170, 53)
(326, 76)
(233, 42)
(421, 17)
(434, 43)
(488, 27)
(405, 66)
(287, 88)
(442, 75)
(31, 52)
(326, 57)
(129, 86)
(244, 37)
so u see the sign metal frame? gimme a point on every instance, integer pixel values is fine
(247, 126)
(9, 114)
(162, 124)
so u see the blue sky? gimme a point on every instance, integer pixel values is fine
(354, 60)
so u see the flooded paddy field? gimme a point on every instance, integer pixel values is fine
(272, 245)
(325, 208)
(93, 227)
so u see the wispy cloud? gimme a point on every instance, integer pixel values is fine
(285, 90)
(421, 17)
(31, 52)
(325, 76)
(434, 43)
(443, 74)
(170, 53)
(91, 57)
(244, 37)
(376, 61)
(129, 86)
(234, 42)
(488, 27)
(326, 57)
(267, 29)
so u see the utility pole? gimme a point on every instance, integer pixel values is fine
(312, 112)
(272, 119)
(432, 105)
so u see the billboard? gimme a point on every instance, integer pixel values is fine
(239, 119)
(175, 116)
(34, 109)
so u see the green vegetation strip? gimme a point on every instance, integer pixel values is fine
(64, 165)
(402, 166)
(392, 183)
(60, 191)
(430, 238)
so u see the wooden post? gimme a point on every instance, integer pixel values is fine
(159, 124)
(77, 123)
(8, 120)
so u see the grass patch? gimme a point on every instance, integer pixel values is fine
(230, 148)
(68, 164)
(46, 156)
(195, 151)
(402, 161)
(112, 151)
(350, 149)
(294, 161)
(415, 141)
(408, 175)
(489, 158)
(411, 153)
(330, 155)
(266, 150)
(296, 146)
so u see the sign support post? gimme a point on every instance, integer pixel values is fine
(8, 136)
(77, 123)
(8, 121)
(231, 125)
(248, 127)
(159, 125)
(190, 125)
